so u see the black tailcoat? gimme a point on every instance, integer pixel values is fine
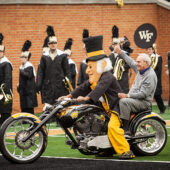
(27, 88)
(107, 85)
(6, 78)
(51, 74)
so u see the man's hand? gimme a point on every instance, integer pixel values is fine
(62, 97)
(81, 98)
(117, 49)
(122, 95)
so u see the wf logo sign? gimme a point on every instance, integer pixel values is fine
(145, 35)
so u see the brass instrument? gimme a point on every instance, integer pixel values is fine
(6, 97)
(154, 58)
(68, 84)
(119, 69)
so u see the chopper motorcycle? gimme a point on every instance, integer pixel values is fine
(23, 136)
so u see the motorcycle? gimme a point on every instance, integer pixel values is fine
(23, 136)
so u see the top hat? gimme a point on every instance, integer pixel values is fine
(51, 35)
(2, 47)
(45, 45)
(25, 49)
(94, 48)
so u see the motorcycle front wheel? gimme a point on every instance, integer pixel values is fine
(13, 148)
(154, 145)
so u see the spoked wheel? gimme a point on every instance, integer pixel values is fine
(12, 146)
(153, 145)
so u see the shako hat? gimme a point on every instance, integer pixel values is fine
(115, 35)
(25, 49)
(2, 47)
(51, 34)
(67, 47)
(45, 45)
(94, 48)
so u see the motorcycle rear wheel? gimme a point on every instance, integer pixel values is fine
(152, 146)
(11, 135)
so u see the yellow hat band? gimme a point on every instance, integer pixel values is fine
(95, 53)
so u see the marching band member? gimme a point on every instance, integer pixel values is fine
(72, 64)
(53, 68)
(82, 76)
(5, 83)
(27, 86)
(120, 67)
(157, 66)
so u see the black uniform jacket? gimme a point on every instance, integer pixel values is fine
(5, 78)
(27, 87)
(107, 85)
(82, 77)
(124, 82)
(50, 77)
(158, 71)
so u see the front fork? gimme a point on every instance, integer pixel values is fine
(44, 121)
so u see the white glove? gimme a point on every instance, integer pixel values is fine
(46, 106)
(1, 96)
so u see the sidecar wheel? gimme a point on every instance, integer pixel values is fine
(13, 149)
(154, 145)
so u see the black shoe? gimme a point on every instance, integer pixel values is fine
(126, 155)
(163, 111)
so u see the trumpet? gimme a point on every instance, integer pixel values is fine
(68, 85)
(119, 69)
(6, 97)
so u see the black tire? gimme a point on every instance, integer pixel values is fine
(12, 147)
(151, 146)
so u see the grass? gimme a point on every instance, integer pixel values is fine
(56, 146)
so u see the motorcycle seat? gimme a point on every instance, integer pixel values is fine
(141, 112)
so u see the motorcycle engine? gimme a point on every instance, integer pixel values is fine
(89, 127)
(91, 124)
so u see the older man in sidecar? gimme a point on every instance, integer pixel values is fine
(102, 86)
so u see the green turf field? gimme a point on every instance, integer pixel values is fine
(56, 146)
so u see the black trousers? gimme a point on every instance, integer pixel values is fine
(160, 103)
(3, 117)
(28, 110)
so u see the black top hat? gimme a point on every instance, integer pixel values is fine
(94, 48)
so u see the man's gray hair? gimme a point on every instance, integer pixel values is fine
(146, 58)
(108, 65)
